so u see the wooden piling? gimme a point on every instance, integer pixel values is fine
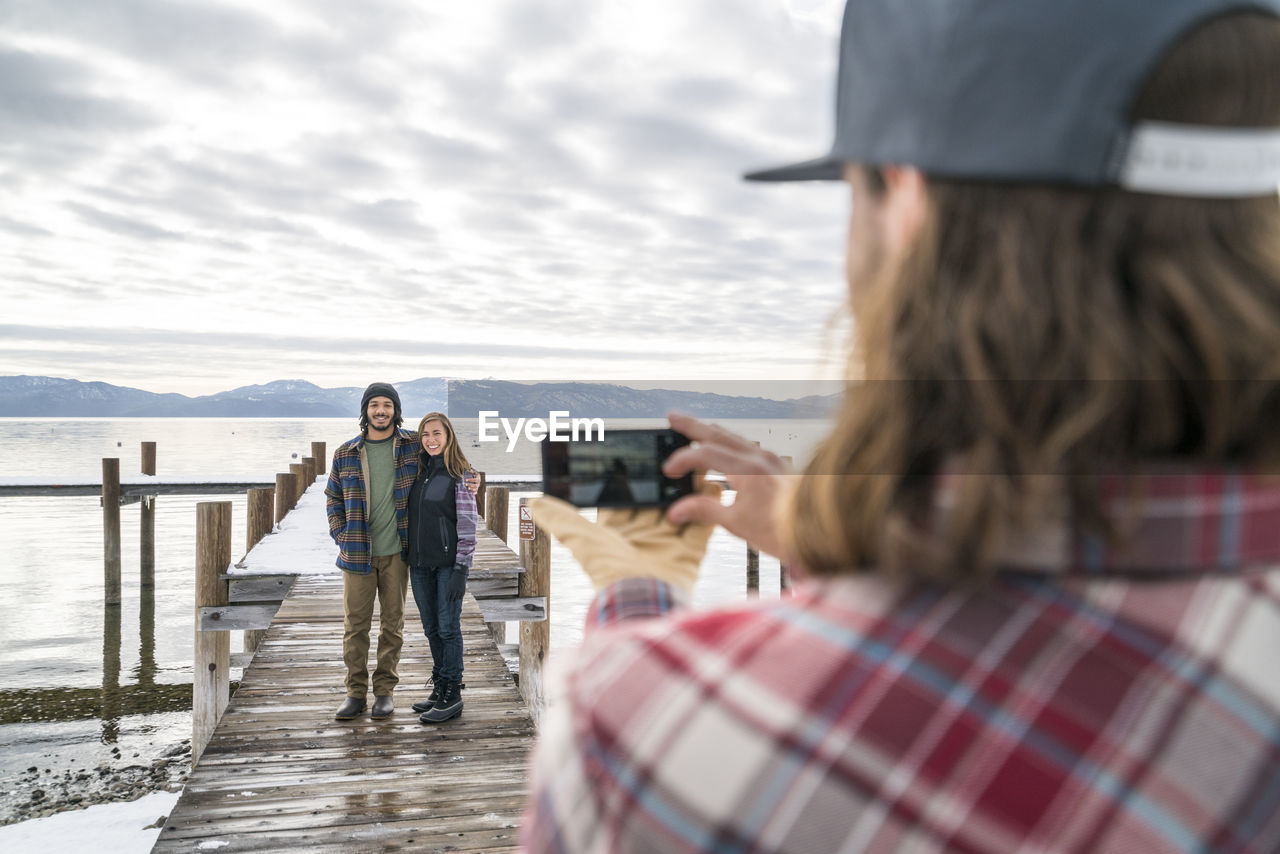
(495, 519)
(496, 504)
(309, 467)
(782, 568)
(753, 566)
(111, 530)
(110, 711)
(481, 496)
(535, 637)
(147, 638)
(147, 522)
(317, 451)
(286, 486)
(258, 519)
(299, 471)
(212, 688)
(258, 523)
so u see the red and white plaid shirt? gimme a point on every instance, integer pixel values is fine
(1089, 701)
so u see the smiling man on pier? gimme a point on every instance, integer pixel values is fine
(367, 500)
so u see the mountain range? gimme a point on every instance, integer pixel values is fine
(28, 396)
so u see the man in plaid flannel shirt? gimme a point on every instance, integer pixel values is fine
(366, 499)
(367, 504)
(1059, 633)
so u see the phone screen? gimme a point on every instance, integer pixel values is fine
(623, 469)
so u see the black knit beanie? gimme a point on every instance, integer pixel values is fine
(379, 390)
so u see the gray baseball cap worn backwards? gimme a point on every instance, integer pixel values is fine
(1030, 91)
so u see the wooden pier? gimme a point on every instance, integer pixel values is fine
(272, 769)
(280, 774)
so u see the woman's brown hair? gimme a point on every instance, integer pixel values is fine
(1049, 330)
(455, 462)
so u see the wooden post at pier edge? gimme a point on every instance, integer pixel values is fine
(147, 522)
(111, 530)
(782, 569)
(535, 637)
(495, 519)
(258, 523)
(309, 467)
(300, 486)
(286, 485)
(497, 500)
(258, 520)
(481, 495)
(211, 687)
(317, 451)
(753, 566)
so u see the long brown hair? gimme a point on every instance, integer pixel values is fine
(455, 462)
(1047, 330)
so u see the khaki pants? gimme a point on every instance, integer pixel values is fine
(387, 582)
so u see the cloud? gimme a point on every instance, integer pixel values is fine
(47, 94)
(205, 42)
(122, 225)
(23, 229)
(269, 185)
(146, 339)
(387, 216)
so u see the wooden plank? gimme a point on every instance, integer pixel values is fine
(225, 618)
(258, 588)
(512, 570)
(493, 588)
(526, 608)
(131, 489)
(493, 830)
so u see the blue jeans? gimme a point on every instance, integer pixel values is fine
(441, 620)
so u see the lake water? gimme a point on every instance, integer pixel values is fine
(82, 683)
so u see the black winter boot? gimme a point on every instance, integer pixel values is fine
(436, 688)
(448, 706)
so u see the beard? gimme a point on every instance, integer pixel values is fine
(368, 423)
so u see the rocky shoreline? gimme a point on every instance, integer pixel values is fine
(42, 792)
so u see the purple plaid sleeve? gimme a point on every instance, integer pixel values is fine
(465, 503)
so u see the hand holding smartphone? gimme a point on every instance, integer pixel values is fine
(621, 469)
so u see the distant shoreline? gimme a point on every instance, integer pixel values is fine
(56, 397)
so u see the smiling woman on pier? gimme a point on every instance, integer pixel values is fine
(442, 541)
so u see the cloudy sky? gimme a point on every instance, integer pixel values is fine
(202, 194)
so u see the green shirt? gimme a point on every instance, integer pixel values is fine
(382, 496)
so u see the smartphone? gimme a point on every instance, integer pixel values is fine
(621, 469)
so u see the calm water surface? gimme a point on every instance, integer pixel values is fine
(79, 679)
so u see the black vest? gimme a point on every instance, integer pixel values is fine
(433, 516)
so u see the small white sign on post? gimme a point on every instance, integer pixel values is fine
(526, 523)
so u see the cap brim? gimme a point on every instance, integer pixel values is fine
(820, 169)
